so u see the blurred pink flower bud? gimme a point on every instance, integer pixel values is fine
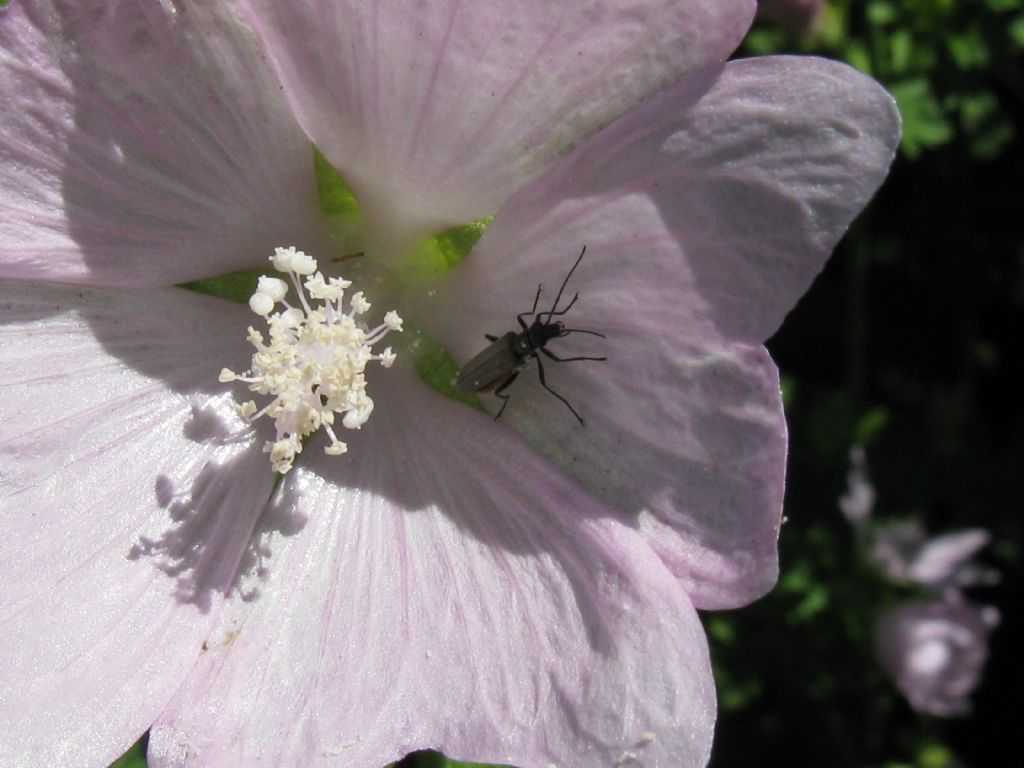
(936, 652)
(858, 502)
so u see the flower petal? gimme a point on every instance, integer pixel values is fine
(755, 168)
(941, 558)
(122, 518)
(436, 112)
(144, 143)
(450, 589)
(705, 214)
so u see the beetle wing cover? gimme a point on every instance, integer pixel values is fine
(489, 367)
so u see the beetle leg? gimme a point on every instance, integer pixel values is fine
(543, 383)
(553, 356)
(489, 337)
(500, 392)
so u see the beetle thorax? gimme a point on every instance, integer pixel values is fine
(540, 333)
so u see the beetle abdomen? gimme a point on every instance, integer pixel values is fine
(491, 367)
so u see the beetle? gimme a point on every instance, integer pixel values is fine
(498, 365)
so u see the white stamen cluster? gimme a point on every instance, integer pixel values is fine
(313, 365)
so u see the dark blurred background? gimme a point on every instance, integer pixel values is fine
(910, 344)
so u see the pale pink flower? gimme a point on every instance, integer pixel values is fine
(936, 653)
(442, 584)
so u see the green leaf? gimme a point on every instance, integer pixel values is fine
(881, 13)
(765, 40)
(834, 30)
(721, 630)
(1016, 31)
(981, 118)
(935, 756)
(338, 202)
(336, 197)
(871, 425)
(740, 696)
(431, 759)
(968, 49)
(434, 365)
(858, 56)
(1000, 6)
(901, 50)
(444, 251)
(925, 125)
(233, 286)
(134, 757)
(788, 385)
(813, 603)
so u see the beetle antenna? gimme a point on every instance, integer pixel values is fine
(565, 282)
(567, 331)
(562, 311)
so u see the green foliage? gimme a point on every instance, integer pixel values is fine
(925, 123)
(431, 759)
(234, 286)
(909, 344)
(444, 251)
(431, 260)
(434, 365)
(941, 424)
(134, 757)
(434, 257)
(338, 202)
(954, 66)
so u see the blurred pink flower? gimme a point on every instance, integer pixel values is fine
(858, 503)
(442, 584)
(903, 551)
(936, 653)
